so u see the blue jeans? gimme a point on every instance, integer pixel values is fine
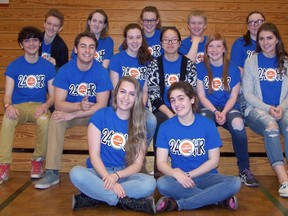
(151, 123)
(90, 183)
(209, 189)
(258, 121)
(239, 136)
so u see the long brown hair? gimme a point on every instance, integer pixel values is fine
(104, 31)
(215, 37)
(137, 141)
(143, 55)
(281, 53)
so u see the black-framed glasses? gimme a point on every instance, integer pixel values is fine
(256, 22)
(146, 21)
(167, 41)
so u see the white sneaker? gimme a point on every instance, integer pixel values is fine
(283, 189)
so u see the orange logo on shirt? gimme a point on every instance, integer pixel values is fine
(31, 81)
(270, 74)
(96, 55)
(118, 141)
(200, 57)
(150, 50)
(134, 72)
(82, 89)
(172, 79)
(216, 84)
(186, 147)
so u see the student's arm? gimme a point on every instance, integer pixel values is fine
(210, 164)
(114, 76)
(232, 99)
(166, 169)
(10, 111)
(202, 96)
(105, 63)
(192, 54)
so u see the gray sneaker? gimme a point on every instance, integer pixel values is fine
(50, 178)
(283, 189)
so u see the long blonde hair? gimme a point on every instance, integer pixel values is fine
(137, 140)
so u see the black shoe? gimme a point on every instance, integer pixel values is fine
(143, 204)
(81, 200)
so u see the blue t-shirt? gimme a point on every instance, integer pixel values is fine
(46, 50)
(80, 83)
(114, 135)
(219, 96)
(126, 65)
(154, 44)
(172, 72)
(270, 80)
(104, 49)
(188, 146)
(186, 46)
(240, 52)
(30, 80)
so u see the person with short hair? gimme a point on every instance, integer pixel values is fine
(28, 79)
(82, 86)
(53, 47)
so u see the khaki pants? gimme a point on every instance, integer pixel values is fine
(26, 114)
(56, 136)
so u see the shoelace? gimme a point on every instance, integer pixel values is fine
(248, 173)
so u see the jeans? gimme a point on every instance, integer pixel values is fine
(26, 114)
(88, 181)
(151, 123)
(209, 189)
(258, 121)
(238, 135)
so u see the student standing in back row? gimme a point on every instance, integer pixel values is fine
(97, 23)
(53, 47)
(193, 46)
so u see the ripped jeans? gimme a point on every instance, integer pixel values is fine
(239, 137)
(258, 121)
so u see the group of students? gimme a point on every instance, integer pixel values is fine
(153, 64)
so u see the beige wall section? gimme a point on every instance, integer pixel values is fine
(224, 16)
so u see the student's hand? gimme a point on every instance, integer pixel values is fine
(52, 60)
(183, 179)
(220, 117)
(85, 104)
(278, 113)
(110, 180)
(196, 39)
(11, 112)
(119, 190)
(40, 109)
(60, 116)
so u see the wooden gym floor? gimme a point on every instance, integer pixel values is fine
(19, 197)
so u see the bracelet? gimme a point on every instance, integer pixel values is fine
(117, 175)
(215, 111)
(187, 174)
(6, 106)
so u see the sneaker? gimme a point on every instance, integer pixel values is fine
(37, 170)
(4, 172)
(283, 189)
(143, 204)
(82, 200)
(166, 204)
(230, 203)
(50, 178)
(247, 177)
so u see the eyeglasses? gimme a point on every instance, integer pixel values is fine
(146, 21)
(256, 22)
(167, 41)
